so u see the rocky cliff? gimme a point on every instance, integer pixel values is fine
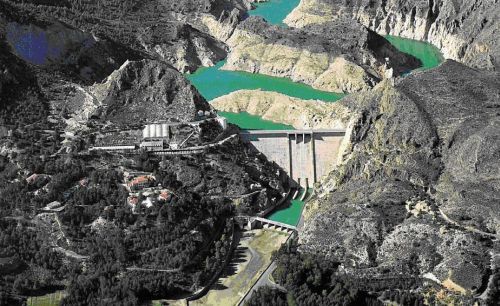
(165, 30)
(418, 190)
(273, 106)
(464, 30)
(340, 56)
(55, 46)
(147, 91)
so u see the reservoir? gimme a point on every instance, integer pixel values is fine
(428, 54)
(274, 11)
(213, 82)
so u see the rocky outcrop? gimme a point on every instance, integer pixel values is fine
(340, 56)
(147, 91)
(195, 38)
(54, 45)
(170, 30)
(223, 27)
(187, 49)
(464, 30)
(417, 192)
(273, 106)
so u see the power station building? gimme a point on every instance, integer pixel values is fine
(156, 130)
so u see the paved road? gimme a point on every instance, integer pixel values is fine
(153, 270)
(261, 282)
(264, 280)
(70, 253)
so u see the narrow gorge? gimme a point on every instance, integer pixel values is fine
(268, 55)
(249, 152)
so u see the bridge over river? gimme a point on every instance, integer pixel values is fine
(306, 155)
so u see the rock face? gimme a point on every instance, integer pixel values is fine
(464, 30)
(340, 56)
(167, 30)
(186, 49)
(147, 90)
(53, 45)
(185, 41)
(418, 189)
(301, 114)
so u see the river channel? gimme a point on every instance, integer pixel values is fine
(213, 82)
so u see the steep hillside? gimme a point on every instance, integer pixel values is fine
(464, 30)
(147, 91)
(273, 106)
(340, 56)
(159, 29)
(418, 191)
(74, 73)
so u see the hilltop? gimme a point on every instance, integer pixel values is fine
(417, 193)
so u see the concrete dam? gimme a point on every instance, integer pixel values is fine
(306, 155)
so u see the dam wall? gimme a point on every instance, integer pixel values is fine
(305, 155)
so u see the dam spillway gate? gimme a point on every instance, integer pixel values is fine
(305, 155)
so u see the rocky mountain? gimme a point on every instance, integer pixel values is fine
(464, 30)
(157, 29)
(273, 106)
(418, 190)
(73, 74)
(57, 47)
(149, 91)
(340, 56)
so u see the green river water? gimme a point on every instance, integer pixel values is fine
(428, 54)
(274, 11)
(212, 82)
(290, 213)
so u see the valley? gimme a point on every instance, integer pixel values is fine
(236, 152)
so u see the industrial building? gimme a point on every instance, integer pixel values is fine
(153, 144)
(156, 130)
(123, 148)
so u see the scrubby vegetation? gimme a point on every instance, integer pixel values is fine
(312, 279)
(189, 235)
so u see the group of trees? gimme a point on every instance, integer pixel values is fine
(494, 287)
(312, 279)
(189, 234)
(35, 266)
(268, 296)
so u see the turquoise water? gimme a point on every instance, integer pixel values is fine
(252, 122)
(428, 54)
(290, 213)
(212, 82)
(274, 11)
